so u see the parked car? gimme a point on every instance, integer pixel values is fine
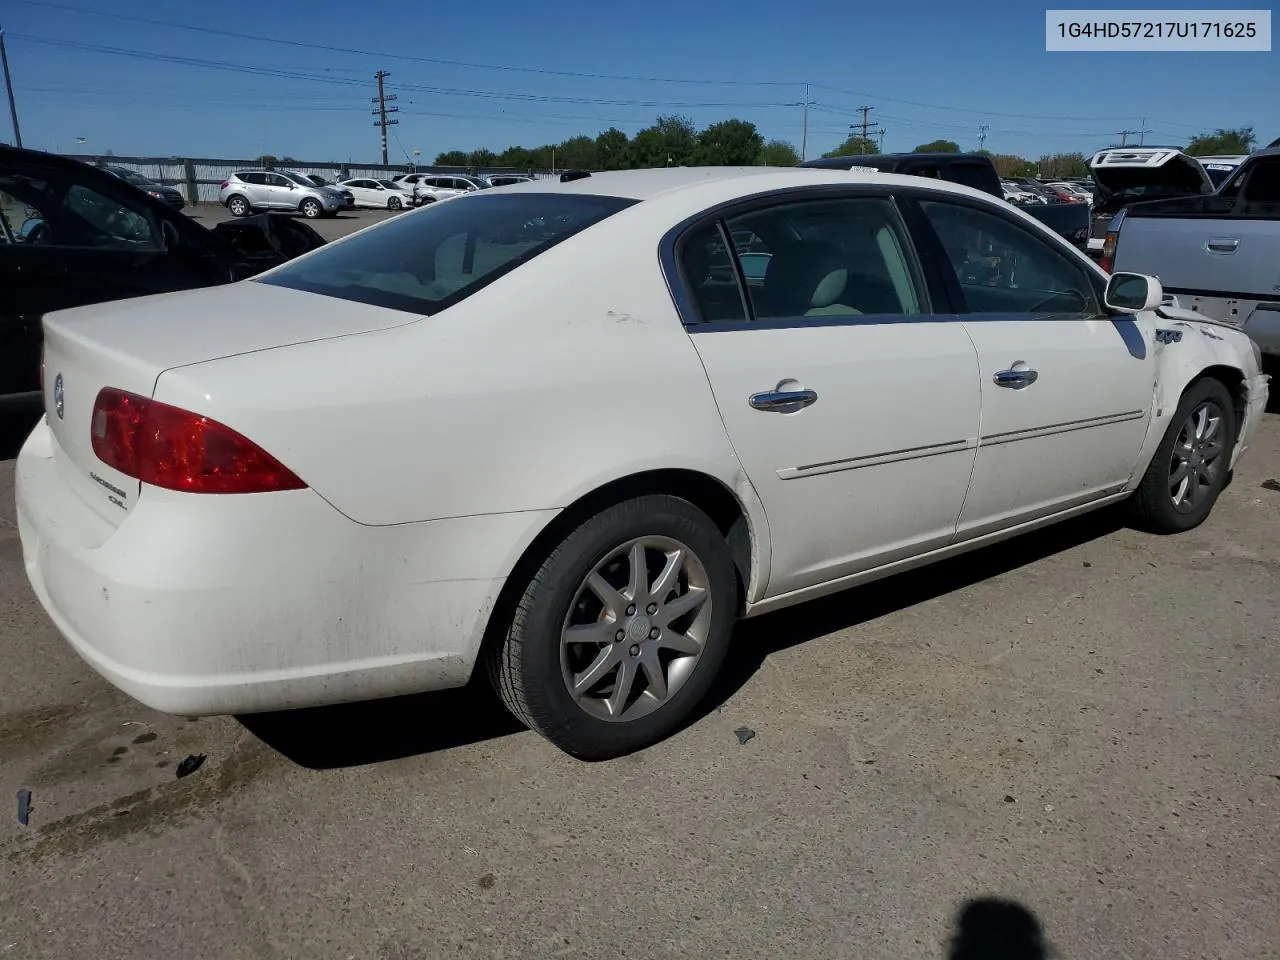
(506, 179)
(1016, 193)
(377, 195)
(162, 192)
(310, 179)
(1124, 175)
(73, 234)
(248, 190)
(356, 541)
(1067, 192)
(1219, 255)
(431, 187)
(970, 169)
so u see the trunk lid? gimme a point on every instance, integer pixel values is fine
(128, 343)
(1124, 175)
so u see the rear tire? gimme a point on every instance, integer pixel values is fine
(600, 676)
(239, 206)
(311, 209)
(1190, 466)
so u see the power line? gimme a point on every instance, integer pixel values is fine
(44, 4)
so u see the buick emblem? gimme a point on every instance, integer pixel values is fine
(59, 402)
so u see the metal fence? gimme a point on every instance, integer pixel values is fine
(201, 178)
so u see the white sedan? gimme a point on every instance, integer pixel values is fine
(377, 194)
(567, 434)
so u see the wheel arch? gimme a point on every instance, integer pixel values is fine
(721, 504)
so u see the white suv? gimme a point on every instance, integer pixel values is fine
(430, 187)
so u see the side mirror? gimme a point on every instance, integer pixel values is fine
(1133, 293)
(30, 226)
(170, 235)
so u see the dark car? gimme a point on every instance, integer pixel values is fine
(975, 170)
(162, 192)
(72, 234)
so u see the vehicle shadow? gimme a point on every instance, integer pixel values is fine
(1271, 365)
(757, 638)
(993, 929)
(322, 738)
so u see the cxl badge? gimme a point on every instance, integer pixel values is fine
(59, 401)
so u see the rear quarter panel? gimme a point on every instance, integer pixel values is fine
(570, 372)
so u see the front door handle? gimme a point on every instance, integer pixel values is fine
(1223, 245)
(1016, 378)
(782, 401)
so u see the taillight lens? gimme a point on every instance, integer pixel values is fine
(176, 449)
(1108, 259)
(225, 184)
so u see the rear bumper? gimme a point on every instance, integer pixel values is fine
(237, 604)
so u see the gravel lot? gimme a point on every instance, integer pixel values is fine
(1084, 721)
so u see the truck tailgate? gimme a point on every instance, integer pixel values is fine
(1232, 258)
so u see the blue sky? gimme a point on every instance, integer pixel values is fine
(490, 74)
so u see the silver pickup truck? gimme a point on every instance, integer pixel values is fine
(1218, 255)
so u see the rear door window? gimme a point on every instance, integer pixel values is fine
(427, 262)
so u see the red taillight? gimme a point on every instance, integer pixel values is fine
(173, 448)
(225, 184)
(1108, 259)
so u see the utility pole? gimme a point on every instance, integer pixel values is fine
(882, 139)
(1142, 134)
(868, 128)
(381, 110)
(1124, 135)
(804, 130)
(8, 86)
(982, 135)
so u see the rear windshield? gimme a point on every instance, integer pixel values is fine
(427, 261)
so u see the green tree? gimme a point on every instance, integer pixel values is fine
(577, 153)
(729, 143)
(612, 150)
(267, 161)
(1221, 142)
(1008, 165)
(1063, 165)
(854, 145)
(520, 157)
(482, 158)
(452, 158)
(779, 153)
(938, 146)
(669, 142)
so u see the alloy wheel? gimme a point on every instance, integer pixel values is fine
(1197, 457)
(636, 629)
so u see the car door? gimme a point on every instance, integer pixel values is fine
(67, 243)
(1066, 388)
(280, 192)
(852, 409)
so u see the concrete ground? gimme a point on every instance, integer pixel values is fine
(1085, 721)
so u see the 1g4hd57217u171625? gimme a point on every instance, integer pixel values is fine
(569, 432)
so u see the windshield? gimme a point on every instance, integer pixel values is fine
(298, 179)
(427, 261)
(130, 176)
(318, 181)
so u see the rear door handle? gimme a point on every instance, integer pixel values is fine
(1015, 379)
(782, 401)
(1222, 245)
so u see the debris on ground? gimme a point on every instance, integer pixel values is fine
(190, 764)
(744, 734)
(1009, 799)
(1088, 564)
(24, 805)
(1271, 485)
(487, 881)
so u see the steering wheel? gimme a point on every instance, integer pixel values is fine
(40, 233)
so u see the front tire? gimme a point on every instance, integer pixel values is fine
(394, 203)
(239, 207)
(622, 629)
(1190, 467)
(311, 209)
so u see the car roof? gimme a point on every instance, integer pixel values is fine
(648, 183)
